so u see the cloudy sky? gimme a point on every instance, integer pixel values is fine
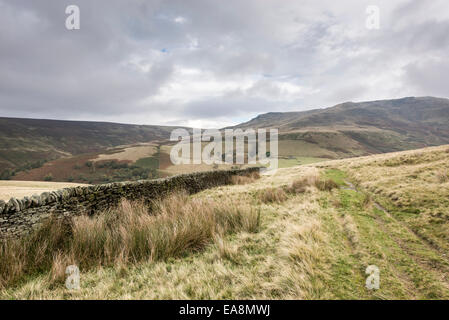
(212, 63)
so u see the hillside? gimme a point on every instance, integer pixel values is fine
(313, 239)
(353, 129)
(27, 143)
(129, 152)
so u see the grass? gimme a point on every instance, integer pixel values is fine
(240, 264)
(149, 162)
(245, 179)
(412, 185)
(296, 161)
(336, 175)
(272, 195)
(301, 185)
(129, 234)
(409, 270)
(312, 240)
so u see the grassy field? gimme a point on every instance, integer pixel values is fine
(131, 154)
(413, 186)
(20, 189)
(296, 161)
(310, 233)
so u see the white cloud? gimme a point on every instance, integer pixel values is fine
(180, 20)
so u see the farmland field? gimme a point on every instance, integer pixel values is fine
(20, 189)
(131, 153)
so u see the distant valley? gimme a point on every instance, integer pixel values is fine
(96, 152)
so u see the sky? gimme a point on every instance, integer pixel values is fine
(213, 63)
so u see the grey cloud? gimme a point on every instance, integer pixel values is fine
(429, 77)
(132, 62)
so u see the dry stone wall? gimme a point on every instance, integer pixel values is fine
(19, 216)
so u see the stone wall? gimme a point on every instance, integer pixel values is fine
(19, 216)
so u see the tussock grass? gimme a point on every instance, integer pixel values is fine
(302, 259)
(226, 251)
(301, 185)
(280, 194)
(128, 234)
(442, 176)
(34, 253)
(303, 243)
(326, 185)
(271, 195)
(245, 179)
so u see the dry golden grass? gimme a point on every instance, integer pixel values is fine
(129, 234)
(303, 249)
(314, 244)
(442, 176)
(245, 179)
(243, 265)
(272, 195)
(301, 185)
(32, 254)
(20, 189)
(132, 153)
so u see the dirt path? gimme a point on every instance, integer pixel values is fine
(387, 226)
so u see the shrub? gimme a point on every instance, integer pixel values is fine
(48, 177)
(6, 174)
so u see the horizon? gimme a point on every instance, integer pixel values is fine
(235, 124)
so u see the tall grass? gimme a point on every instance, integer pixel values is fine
(245, 179)
(442, 176)
(272, 195)
(173, 227)
(322, 184)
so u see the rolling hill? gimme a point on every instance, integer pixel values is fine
(27, 143)
(346, 130)
(354, 129)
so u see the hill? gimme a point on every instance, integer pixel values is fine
(28, 143)
(354, 129)
(130, 152)
(306, 232)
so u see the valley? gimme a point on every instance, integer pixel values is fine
(94, 152)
